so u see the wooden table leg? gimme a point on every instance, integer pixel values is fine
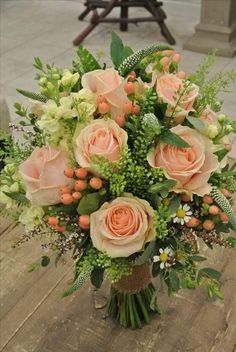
(124, 13)
(84, 14)
(160, 19)
(94, 22)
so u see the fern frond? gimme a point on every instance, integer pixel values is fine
(79, 281)
(34, 96)
(131, 61)
(224, 204)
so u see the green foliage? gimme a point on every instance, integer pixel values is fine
(34, 96)
(45, 260)
(169, 137)
(133, 60)
(83, 276)
(118, 51)
(200, 76)
(196, 123)
(147, 254)
(97, 276)
(162, 221)
(85, 61)
(165, 185)
(196, 258)
(90, 203)
(20, 198)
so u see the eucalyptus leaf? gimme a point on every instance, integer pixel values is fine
(197, 258)
(209, 272)
(45, 260)
(174, 205)
(171, 138)
(174, 281)
(197, 123)
(147, 254)
(166, 185)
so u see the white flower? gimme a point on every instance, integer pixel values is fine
(183, 215)
(212, 131)
(30, 217)
(165, 255)
(69, 79)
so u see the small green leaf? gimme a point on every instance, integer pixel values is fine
(32, 267)
(97, 276)
(231, 241)
(221, 154)
(197, 123)
(156, 269)
(169, 137)
(87, 60)
(19, 197)
(89, 203)
(147, 254)
(45, 260)
(209, 272)
(174, 281)
(197, 258)
(174, 205)
(116, 49)
(166, 185)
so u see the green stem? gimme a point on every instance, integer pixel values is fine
(132, 320)
(137, 318)
(144, 310)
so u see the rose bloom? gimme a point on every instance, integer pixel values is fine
(190, 167)
(170, 89)
(123, 226)
(109, 84)
(43, 175)
(101, 137)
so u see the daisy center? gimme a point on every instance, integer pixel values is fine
(163, 257)
(181, 213)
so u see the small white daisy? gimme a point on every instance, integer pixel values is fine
(183, 214)
(165, 255)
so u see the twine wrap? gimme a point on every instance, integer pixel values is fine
(136, 281)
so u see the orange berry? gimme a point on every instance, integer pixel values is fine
(66, 199)
(65, 190)
(129, 88)
(60, 228)
(208, 225)
(95, 183)
(225, 192)
(193, 222)
(181, 74)
(84, 221)
(52, 221)
(120, 120)
(176, 58)
(136, 110)
(132, 76)
(164, 61)
(168, 52)
(81, 172)
(103, 108)
(69, 172)
(224, 218)
(80, 185)
(101, 99)
(207, 199)
(185, 198)
(213, 210)
(128, 107)
(77, 195)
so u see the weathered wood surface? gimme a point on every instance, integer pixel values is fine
(35, 319)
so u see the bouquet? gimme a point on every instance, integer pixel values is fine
(126, 167)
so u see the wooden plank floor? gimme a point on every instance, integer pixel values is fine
(35, 319)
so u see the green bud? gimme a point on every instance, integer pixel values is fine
(42, 81)
(221, 117)
(56, 76)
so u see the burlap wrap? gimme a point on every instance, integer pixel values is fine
(136, 282)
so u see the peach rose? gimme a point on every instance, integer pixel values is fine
(101, 137)
(190, 167)
(43, 175)
(172, 90)
(109, 84)
(123, 226)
